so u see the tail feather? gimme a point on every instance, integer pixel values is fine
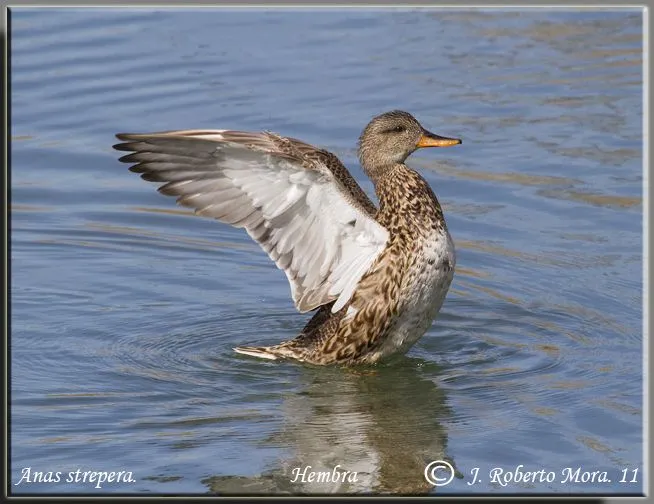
(261, 352)
(285, 350)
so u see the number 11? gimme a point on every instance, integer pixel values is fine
(634, 478)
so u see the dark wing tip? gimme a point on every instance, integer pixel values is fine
(135, 145)
(134, 157)
(127, 136)
(130, 141)
(123, 147)
(137, 168)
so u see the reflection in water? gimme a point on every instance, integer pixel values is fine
(383, 423)
(523, 179)
(606, 200)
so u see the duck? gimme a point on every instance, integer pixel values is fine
(375, 277)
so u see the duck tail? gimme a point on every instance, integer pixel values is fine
(261, 352)
(286, 350)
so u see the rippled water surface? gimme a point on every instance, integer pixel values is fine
(125, 307)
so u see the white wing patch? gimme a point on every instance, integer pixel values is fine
(300, 216)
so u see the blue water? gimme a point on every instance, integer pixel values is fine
(125, 307)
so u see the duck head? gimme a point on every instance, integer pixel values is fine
(391, 137)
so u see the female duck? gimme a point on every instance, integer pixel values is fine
(376, 277)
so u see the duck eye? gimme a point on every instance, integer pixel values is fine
(397, 129)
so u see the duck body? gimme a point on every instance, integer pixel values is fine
(398, 298)
(376, 278)
(429, 263)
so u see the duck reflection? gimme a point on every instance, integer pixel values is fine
(381, 423)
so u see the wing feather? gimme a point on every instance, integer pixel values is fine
(317, 227)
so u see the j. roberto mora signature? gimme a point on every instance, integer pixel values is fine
(567, 475)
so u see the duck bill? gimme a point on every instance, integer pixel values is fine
(429, 139)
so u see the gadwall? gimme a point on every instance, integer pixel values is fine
(376, 277)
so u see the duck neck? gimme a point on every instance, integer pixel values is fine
(377, 165)
(403, 192)
(377, 171)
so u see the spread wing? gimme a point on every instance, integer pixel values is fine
(298, 202)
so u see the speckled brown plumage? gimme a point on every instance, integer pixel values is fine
(410, 210)
(376, 292)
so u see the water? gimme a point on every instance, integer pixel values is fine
(125, 307)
